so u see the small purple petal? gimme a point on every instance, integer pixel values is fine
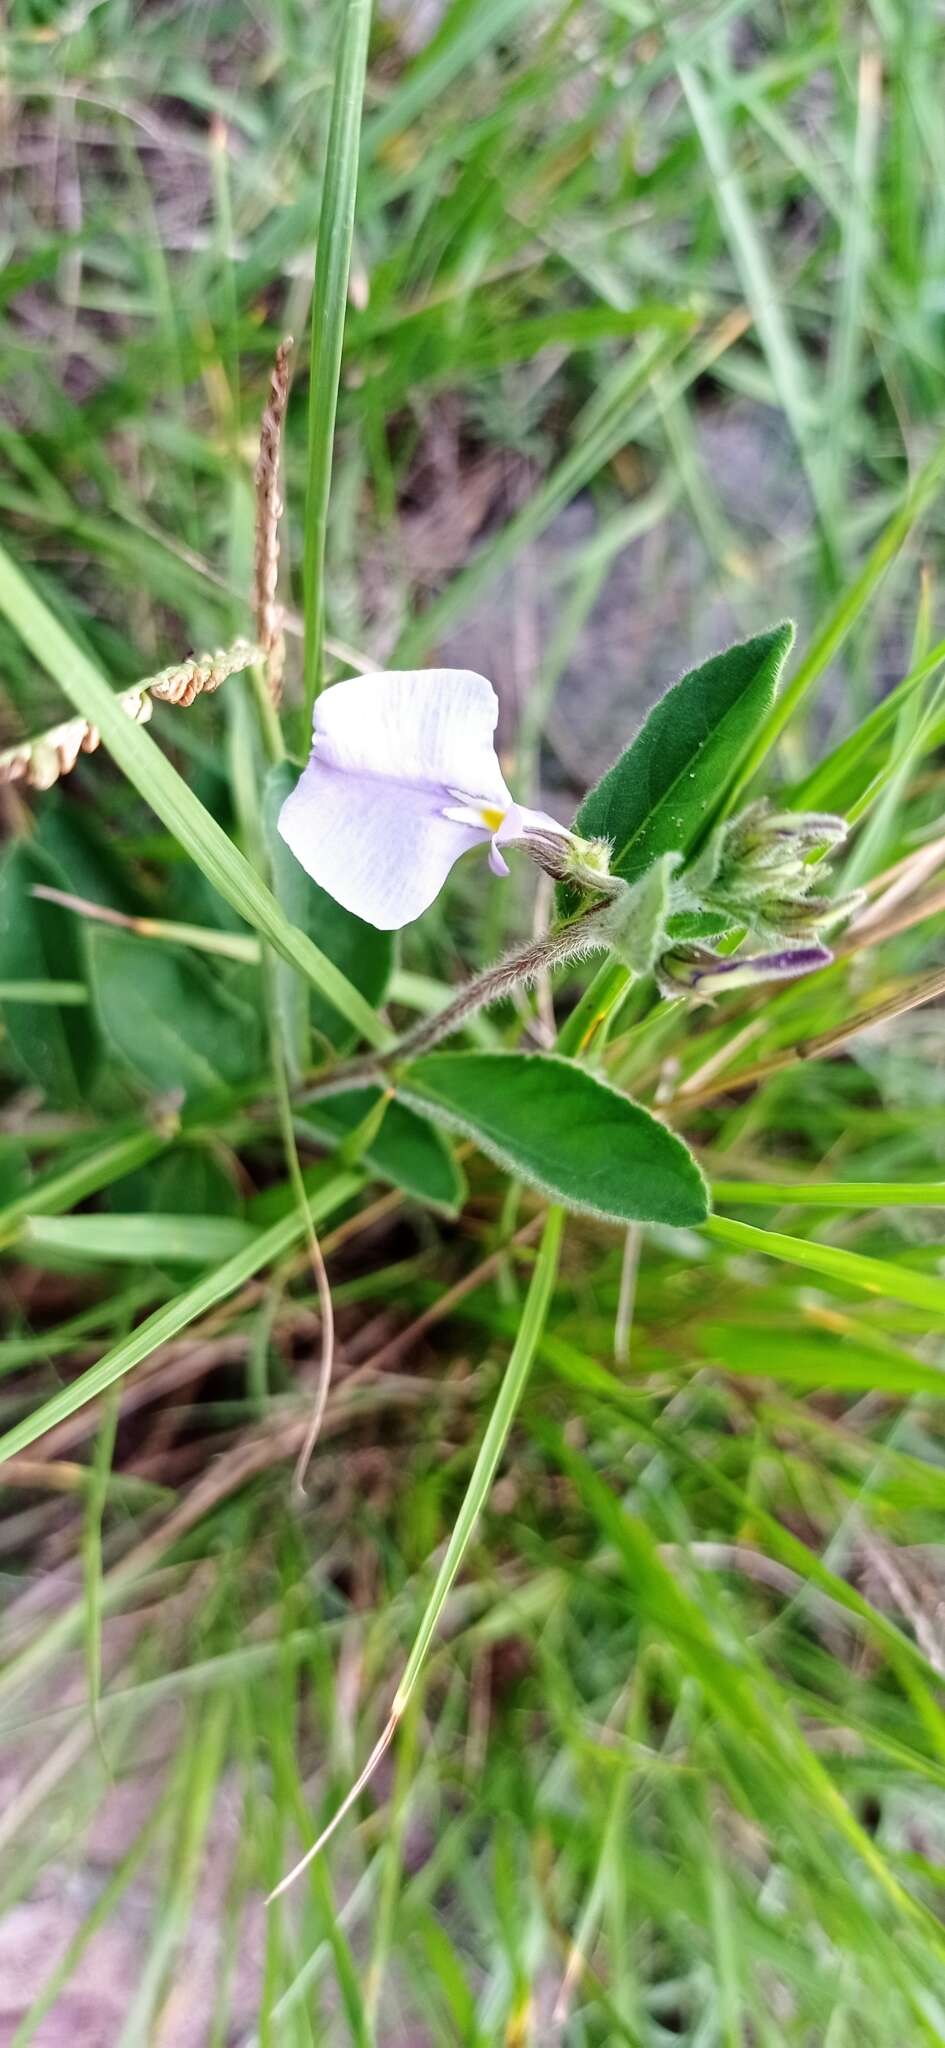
(519, 821)
(744, 971)
(791, 960)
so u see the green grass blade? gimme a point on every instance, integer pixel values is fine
(830, 774)
(186, 1240)
(843, 615)
(109, 1898)
(598, 437)
(528, 1337)
(92, 1552)
(70, 993)
(843, 368)
(96, 1169)
(534, 1312)
(785, 362)
(849, 1269)
(462, 35)
(837, 1194)
(333, 260)
(198, 1782)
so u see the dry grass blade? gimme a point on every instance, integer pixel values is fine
(325, 1364)
(925, 990)
(269, 509)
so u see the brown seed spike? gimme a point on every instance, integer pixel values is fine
(39, 762)
(269, 510)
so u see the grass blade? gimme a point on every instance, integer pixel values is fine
(50, 1193)
(534, 1312)
(333, 260)
(843, 615)
(185, 1240)
(838, 1194)
(786, 364)
(849, 1269)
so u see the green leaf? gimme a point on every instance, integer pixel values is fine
(570, 1135)
(406, 1149)
(637, 918)
(670, 784)
(190, 1181)
(57, 1044)
(365, 956)
(88, 861)
(171, 1020)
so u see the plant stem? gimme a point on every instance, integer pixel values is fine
(571, 943)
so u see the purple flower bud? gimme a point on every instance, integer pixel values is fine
(703, 973)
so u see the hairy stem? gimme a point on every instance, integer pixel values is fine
(573, 942)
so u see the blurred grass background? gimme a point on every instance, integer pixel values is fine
(644, 350)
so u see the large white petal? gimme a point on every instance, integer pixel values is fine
(425, 727)
(383, 849)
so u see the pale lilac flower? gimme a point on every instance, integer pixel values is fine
(402, 779)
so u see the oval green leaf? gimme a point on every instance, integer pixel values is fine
(56, 1044)
(574, 1137)
(404, 1148)
(176, 1025)
(670, 784)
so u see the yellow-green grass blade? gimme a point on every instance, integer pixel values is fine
(837, 1194)
(833, 1262)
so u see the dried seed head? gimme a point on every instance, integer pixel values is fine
(269, 509)
(39, 762)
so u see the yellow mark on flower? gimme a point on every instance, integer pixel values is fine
(491, 816)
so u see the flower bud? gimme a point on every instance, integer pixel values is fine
(802, 914)
(762, 873)
(698, 972)
(568, 858)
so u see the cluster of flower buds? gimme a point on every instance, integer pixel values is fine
(758, 874)
(760, 871)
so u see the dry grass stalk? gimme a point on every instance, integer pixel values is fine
(41, 761)
(269, 509)
(905, 996)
